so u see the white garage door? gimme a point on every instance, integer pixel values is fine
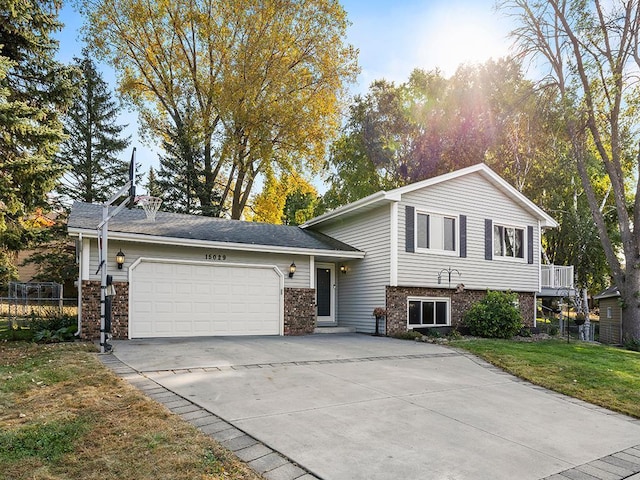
(171, 299)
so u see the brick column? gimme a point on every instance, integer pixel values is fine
(91, 310)
(299, 311)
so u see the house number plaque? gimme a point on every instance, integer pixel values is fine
(213, 256)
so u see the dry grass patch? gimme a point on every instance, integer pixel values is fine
(63, 415)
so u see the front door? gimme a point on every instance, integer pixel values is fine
(325, 293)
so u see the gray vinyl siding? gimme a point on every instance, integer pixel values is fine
(478, 199)
(363, 287)
(133, 251)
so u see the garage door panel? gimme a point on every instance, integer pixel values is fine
(164, 268)
(202, 288)
(163, 307)
(174, 299)
(162, 288)
(182, 289)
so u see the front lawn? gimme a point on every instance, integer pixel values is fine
(598, 374)
(63, 415)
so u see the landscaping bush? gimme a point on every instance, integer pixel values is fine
(51, 319)
(408, 335)
(14, 333)
(53, 327)
(495, 316)
(632, 344)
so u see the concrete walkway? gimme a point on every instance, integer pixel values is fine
(339, 407)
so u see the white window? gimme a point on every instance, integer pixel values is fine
(436, 232)
(508, 241)
(608, 312)
(428, 312)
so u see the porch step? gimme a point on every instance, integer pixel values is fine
(334, 330)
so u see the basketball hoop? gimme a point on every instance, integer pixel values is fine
(150, 205)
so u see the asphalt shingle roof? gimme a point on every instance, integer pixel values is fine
(87, 216)
(612, 291)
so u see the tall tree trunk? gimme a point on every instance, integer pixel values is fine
(630, 306)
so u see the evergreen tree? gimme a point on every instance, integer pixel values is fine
(180, 173)
(34, 90)
(153, 189)
(93, 171)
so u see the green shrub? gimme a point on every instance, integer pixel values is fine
(64, 334)
(408, 335)
(433, 333)
(525, 332)
(632, 344)
(52, 319)
(495, 316)
(53, 327)
(15, 333)
(454, 335)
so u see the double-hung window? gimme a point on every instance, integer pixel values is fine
(428, 312)
(508, 242)
(436, 232)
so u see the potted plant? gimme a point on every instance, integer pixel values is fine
(580, 318)
(379, 313)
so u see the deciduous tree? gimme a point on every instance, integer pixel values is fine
(491, 112)
(287, 200)
(591, 49)
(262, 80)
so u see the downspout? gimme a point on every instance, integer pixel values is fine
(535, 295)
(79, 254)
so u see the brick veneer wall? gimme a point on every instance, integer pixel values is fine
(91, 310)
(460, 303)
(299, 311)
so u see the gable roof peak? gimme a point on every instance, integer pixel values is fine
(395, 195)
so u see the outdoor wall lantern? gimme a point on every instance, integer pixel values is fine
(292, 269)
(343, 269)
(120, 259)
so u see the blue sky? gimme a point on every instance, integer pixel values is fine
(393, 38)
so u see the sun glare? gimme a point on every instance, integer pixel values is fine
(455, 36)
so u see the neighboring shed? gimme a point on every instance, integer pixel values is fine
(610, 316)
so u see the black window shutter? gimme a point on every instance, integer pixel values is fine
(428, 231)
(530, 243)
(409, 221)
(488, 239)
(463, 236)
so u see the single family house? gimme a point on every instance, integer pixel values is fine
(424, 252)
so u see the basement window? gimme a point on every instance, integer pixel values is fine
(428, 312)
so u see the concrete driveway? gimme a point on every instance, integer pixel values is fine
(349, 407)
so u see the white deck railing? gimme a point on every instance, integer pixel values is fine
(556, 276)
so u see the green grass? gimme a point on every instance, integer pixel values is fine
(47, 442)
(605, 376)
